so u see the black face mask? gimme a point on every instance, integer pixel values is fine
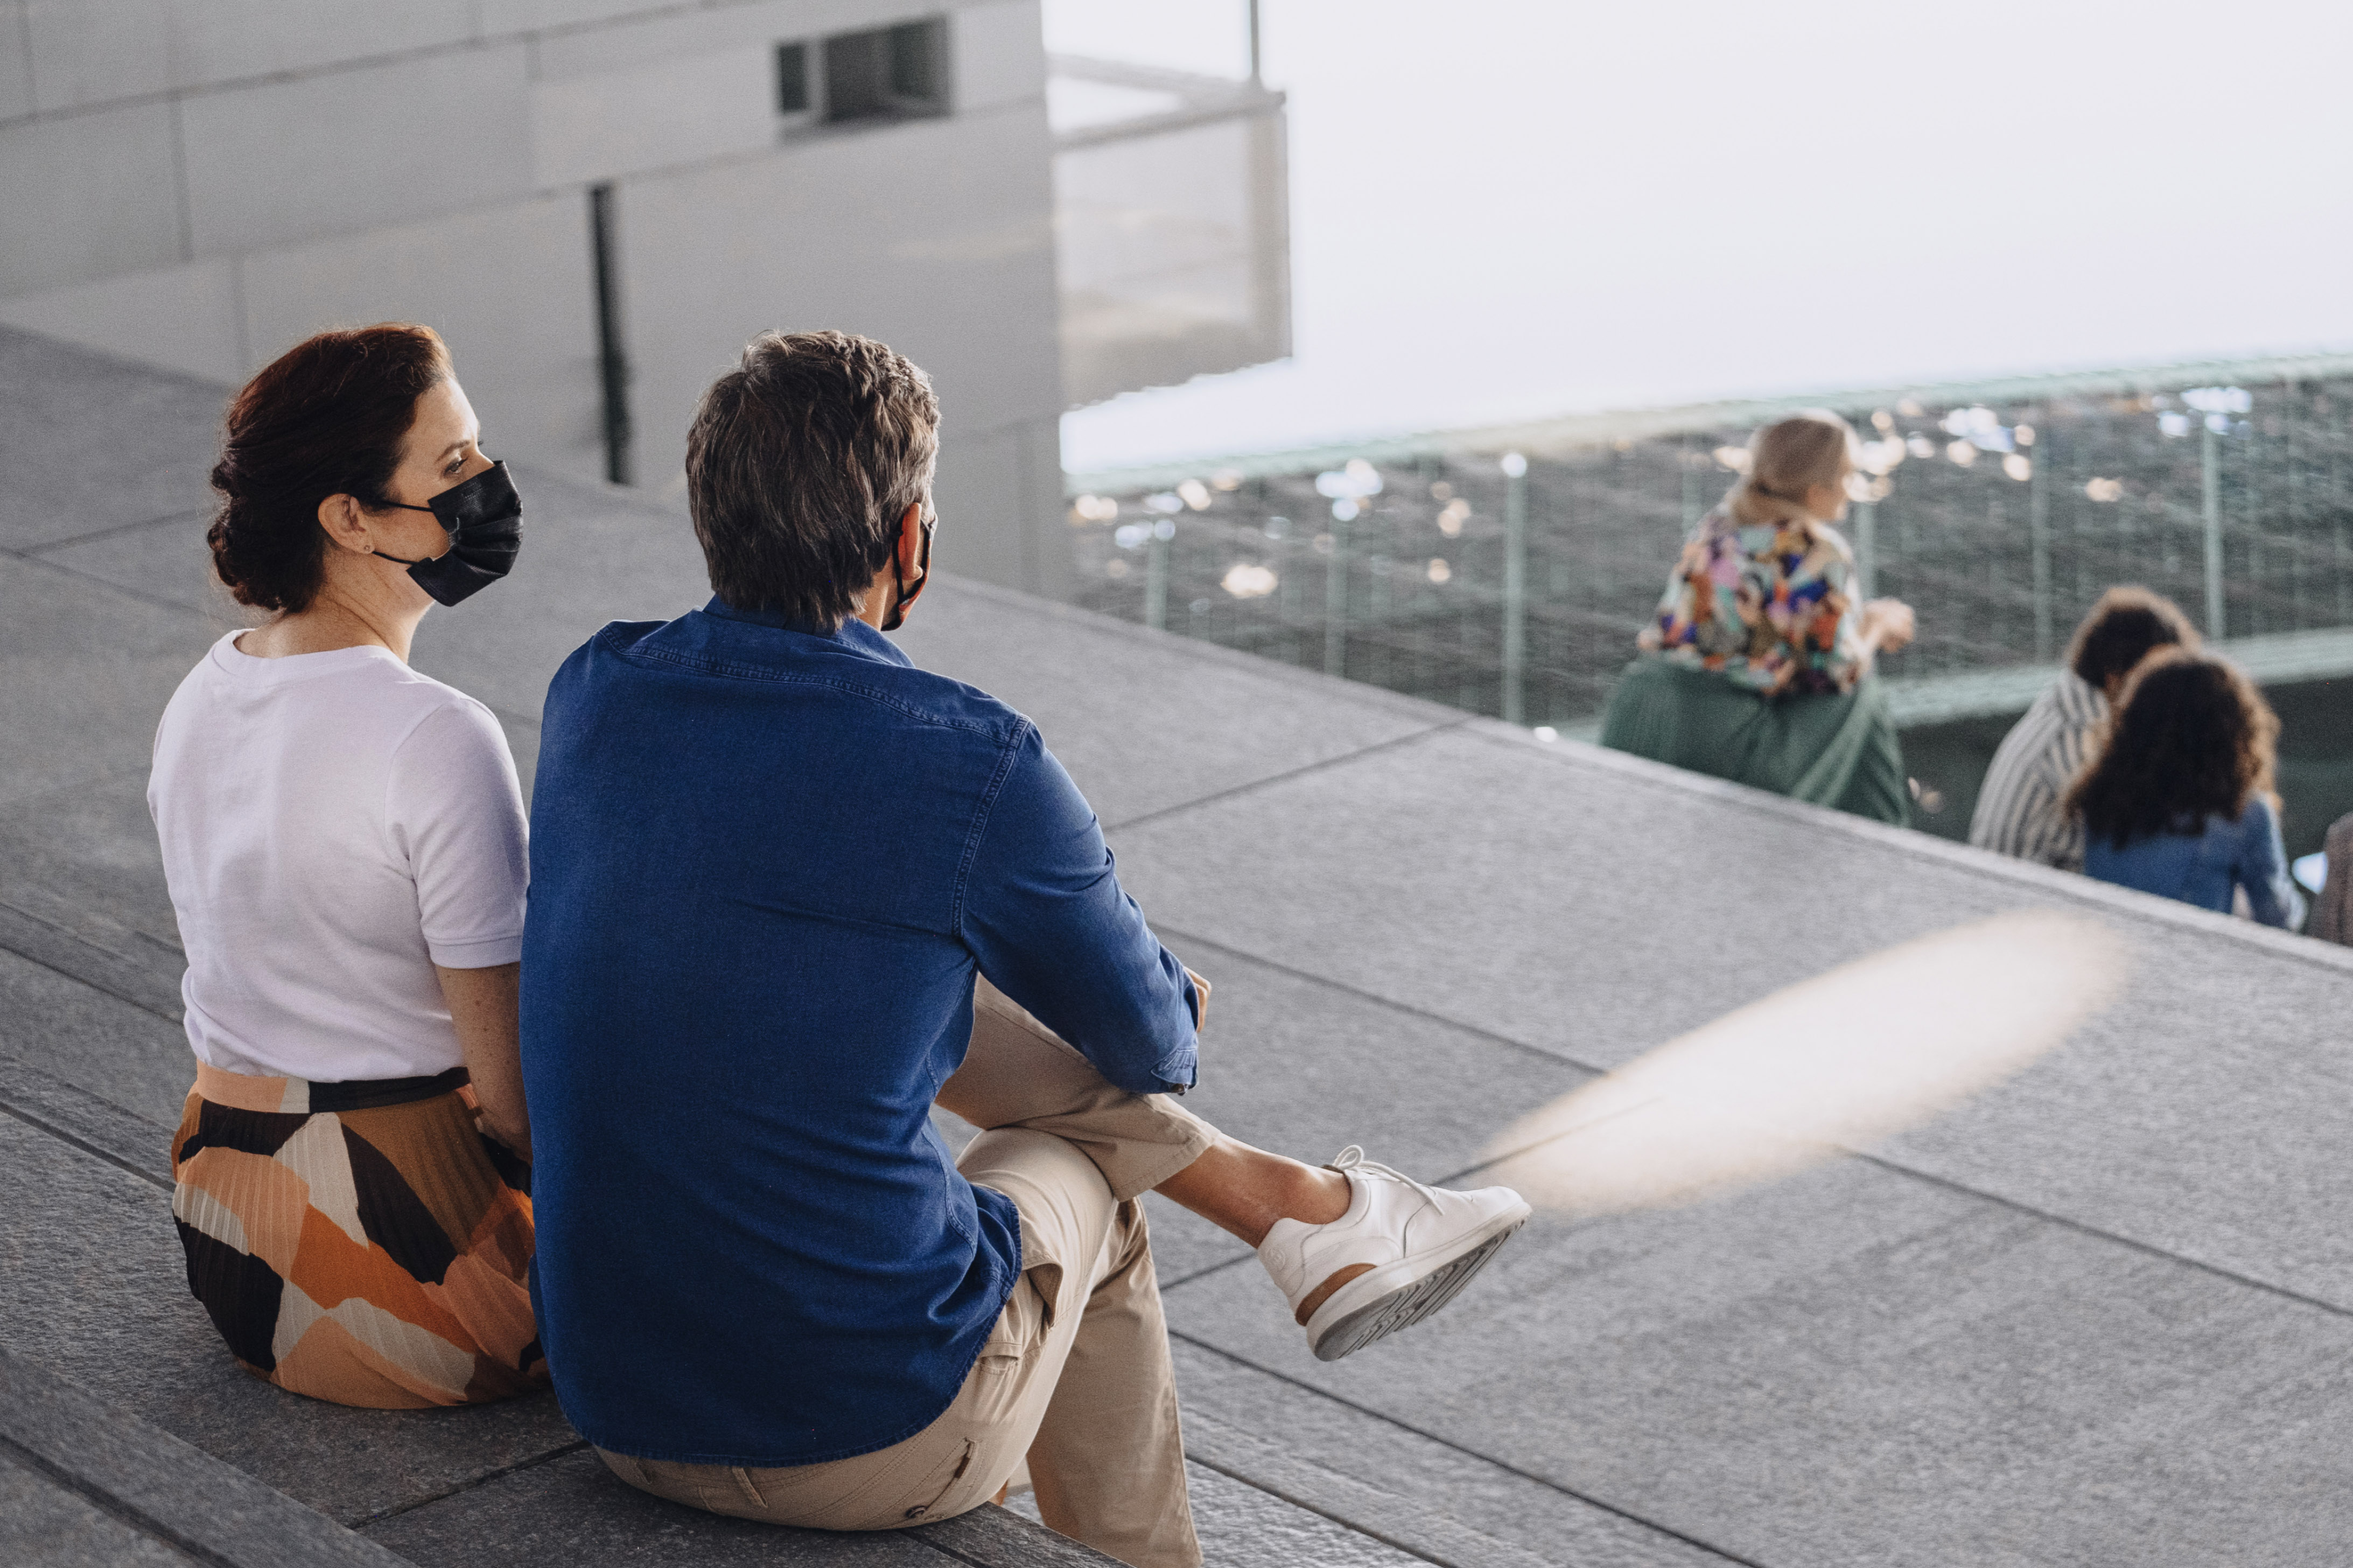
(484, 520)
(898, 616)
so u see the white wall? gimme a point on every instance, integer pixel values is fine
(917, 237)
(201, 183)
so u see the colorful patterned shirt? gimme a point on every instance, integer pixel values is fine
(1769, 606)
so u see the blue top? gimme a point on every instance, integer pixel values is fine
(2202, 868)
(766, 863)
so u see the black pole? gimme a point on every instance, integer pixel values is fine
(612, 363)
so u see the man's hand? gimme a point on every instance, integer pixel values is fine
(1200, 998)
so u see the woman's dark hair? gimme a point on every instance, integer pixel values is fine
(327, 417)
(799, 465)
(2191, 739)
(2122, 628)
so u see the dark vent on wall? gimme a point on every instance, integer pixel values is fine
(887, 73)
(792, 78)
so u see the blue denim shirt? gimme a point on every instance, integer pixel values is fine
(766, 863)
(2204, 868)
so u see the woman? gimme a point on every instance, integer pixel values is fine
(344, 839)
(2178, 800)
(1757, 665)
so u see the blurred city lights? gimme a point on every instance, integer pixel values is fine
(2018, 468)
(2173, 423)
(1962, 452)
(2219, 399)
(1450, 520)
(1733, 457)
(1346, 509)
(1919, 446)
(1439, 571)
(1348, 485)
(1227, 480)
(1195, 494)
(1245, 580)
(2104, 490)
(1513, 465)
(1164, 501)
(1095, 508)
(1880, 456)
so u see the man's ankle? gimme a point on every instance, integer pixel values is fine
(1324, 1196)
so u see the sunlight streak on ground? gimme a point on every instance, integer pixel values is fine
(1828, 1064)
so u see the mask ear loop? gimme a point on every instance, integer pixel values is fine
(898, 616)
(404, 506)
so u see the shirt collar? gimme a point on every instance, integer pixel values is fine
(852, 634)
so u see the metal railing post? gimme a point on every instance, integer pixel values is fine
(1336, 602)
(1866, 549)
(1156, 576)
(1515, 585)
(2211, 454)
(612, 357)
(2038, 530)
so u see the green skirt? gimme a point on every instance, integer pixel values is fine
(1826, 748)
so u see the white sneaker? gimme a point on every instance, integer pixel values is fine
(1424, 1243)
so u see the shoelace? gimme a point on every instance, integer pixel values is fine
(1352, 1158)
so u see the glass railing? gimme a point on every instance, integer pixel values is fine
(1506, 572)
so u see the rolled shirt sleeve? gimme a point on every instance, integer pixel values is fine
(1043, 914)
(453, 806)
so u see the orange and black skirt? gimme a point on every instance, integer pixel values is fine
(358, 1242)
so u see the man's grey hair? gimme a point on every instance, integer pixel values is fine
(799, 465)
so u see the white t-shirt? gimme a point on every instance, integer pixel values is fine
(333, 825)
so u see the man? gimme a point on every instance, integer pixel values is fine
(2019, 808)
(788, 890)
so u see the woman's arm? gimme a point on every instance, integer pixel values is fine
(482, 1004)
(2263, 870)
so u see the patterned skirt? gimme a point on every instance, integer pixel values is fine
(358, 1242)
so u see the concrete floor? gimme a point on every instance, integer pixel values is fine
(2101, 1313)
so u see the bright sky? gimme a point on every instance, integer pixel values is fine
(1517, 208)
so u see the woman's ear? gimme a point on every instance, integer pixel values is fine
(345, 524)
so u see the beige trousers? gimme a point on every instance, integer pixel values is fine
(1075, 1374)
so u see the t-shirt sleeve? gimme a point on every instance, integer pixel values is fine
(1047, 920)
(454, 811)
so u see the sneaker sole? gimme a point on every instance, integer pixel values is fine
(1376, 1305)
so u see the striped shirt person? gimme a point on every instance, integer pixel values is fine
(2020, 809)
